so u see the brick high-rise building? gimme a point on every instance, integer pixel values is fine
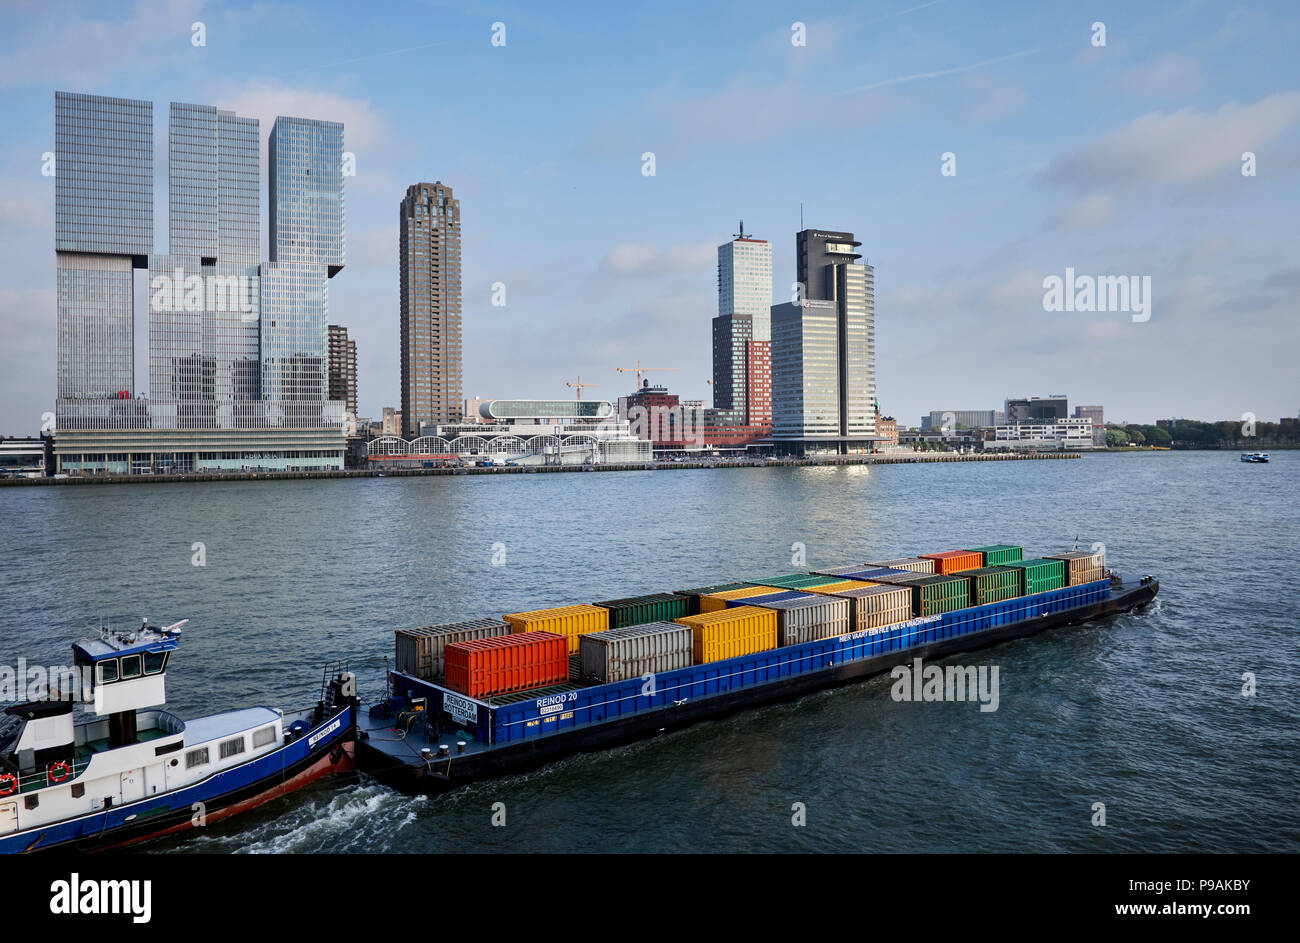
(343, 368)
(432, 386)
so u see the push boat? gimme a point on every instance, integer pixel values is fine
(134, 771)
(428, 736)
(1255, 458)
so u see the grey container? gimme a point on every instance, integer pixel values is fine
(876, 606)
(1081, 566)
(419, 651)
(809, 619)
(635, 651)
(842, 570)
(915, 564)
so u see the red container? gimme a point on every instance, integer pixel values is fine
(486, 666)
(954, 561)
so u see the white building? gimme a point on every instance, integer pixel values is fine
(1067, 435)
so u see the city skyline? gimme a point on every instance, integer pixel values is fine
(1067, 156)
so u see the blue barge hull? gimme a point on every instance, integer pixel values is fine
(402, 748)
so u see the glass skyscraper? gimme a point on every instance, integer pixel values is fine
(742, 332)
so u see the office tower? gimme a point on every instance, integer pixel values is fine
(742, 331)
(237, 347)
(343, 368)
(1034, 408)
(429, 226)
(823, 349)
(103, 230)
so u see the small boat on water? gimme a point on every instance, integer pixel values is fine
(1255, 458)
(134, 771)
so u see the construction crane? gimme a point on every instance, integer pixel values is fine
(578, 385)
(639, 370)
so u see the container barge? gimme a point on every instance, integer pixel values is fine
(477, 699)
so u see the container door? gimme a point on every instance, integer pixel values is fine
(132, 785)
(8, 817)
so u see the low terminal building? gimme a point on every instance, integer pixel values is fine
(26, 456)
(520, 432)
(1064, 435)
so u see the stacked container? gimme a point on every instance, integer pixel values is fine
(772, 595)
(793, 581)
(809, 619)
(914, 564)
(712, 602)
(835, 589)
(871, 573)
(992, 584)
(635, 651)
(932, 595)
(1039, 576)
(640, 610)
(896, 578)
(730, 633)
(1000, 554)
(570, 621)
(505, 663)
(1081, 566)
(843, 570)
(954, 561)
(875, 606)
(693, 595)
(420, 651)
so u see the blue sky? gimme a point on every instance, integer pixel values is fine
(1115, 160)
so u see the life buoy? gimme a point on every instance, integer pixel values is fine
(8, 784)
(59, 771)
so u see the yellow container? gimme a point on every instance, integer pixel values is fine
(715, 602)
(728, 633)
(572, 622)
(831, 589)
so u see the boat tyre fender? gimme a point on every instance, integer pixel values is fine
(59, 771)
(336, 754)
(8, 784)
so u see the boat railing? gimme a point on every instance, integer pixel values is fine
(39, 779)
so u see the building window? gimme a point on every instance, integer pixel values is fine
(197, 757)
(231, 747)
(264, 736)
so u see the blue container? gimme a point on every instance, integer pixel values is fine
(768, 597)
(876, 571)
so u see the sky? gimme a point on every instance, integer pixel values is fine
(1122, 159)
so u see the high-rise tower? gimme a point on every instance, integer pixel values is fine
(742, 332)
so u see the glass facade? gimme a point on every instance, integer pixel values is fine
(295, 331)
(305, 192)
(95, 323)
(745, 283)
(214, 184)
(103, 184)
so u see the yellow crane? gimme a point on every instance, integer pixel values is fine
(578, 385)
(639, 370)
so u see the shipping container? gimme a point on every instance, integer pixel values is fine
(954, 561)
(640, 610)
(693, 595)
(896, 578)
(730, 633)
(420, 651)
(505, 663)
(875, 606)
(871, 572)
(914, 564)
(830, 589)
(992, 584)
(932, 595)
(999, 554)
(712, 602)
(794, 581)
(772, 596)
(1040, 575)
(1081, 566)
(635, 651)
(807, 620)
(570, 621)
(842, 570)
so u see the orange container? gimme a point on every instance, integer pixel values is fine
(486, 666)
(954, 561)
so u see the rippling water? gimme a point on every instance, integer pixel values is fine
(1143, 712)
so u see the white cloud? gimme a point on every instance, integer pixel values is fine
(639, 258)
(1096, 209)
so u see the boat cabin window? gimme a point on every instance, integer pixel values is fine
(154, 662)
(263, 736)
(130, 666)
(197, 757)
(107, 670)
(231, 747)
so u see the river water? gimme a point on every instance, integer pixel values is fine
(1143, 713)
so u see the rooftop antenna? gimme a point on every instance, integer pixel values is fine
(801, 216)
(742, 234)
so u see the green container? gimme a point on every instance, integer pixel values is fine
(794, 581)
(692, 596)
(1000, 554)
(1039, 576)
(932, 594)
(992, 584)
(640, 610)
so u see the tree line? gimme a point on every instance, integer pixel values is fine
(1192, 434)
